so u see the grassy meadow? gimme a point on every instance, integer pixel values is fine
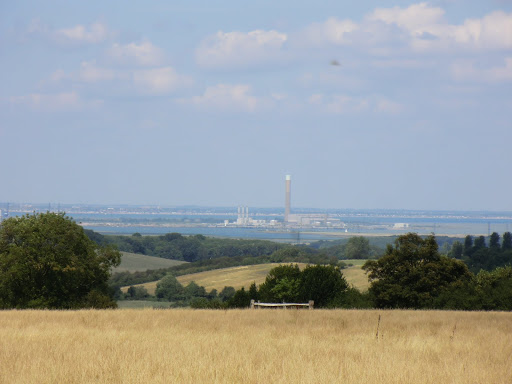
(244, 276)
(133, 262)
(255, 346)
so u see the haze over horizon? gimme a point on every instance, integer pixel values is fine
(404, 105)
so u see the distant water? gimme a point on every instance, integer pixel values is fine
(308, 234)
(370, 223)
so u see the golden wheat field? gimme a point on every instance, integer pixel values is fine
(255, 346)
(244, 276)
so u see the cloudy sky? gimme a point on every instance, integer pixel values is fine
(388, 104)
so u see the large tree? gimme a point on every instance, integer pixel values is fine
(323, 284)
(412, 273)
(358, 247)
(47, 261)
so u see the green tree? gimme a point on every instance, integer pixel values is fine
(456, 250)
(321, 283)
(468, 245)
(358, 247)
(285, 290)
(241, 299)
(169, 288)
(506, 242)
(496, 289)
(136, 293)
(227, 293)
(479, 243)
(289, 274)
(494, 241)
(253, 292)
(412, 273)
(194, 290)
(47, 261)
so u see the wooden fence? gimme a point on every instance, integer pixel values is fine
(257, 305)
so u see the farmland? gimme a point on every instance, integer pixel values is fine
(258, 346)
(133, 262)
(244, 276)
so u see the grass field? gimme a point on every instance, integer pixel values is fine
(133, 262)
(255, 346)
(141, 304)
(244, 276)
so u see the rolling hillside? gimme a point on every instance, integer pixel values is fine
(243, 276)
(133, 262)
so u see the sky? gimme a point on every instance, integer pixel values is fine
(367, 105)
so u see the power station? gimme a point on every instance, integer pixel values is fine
(288, 186)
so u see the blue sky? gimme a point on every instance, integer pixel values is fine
(370, 105)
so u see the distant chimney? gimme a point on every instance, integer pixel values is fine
(288, 184)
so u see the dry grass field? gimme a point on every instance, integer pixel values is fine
(255, 346)
(244, 276)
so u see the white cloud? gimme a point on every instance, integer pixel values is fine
(331, 31)
(157, 80)
(421, 27)
(494, 31)
(77, 35)
(66, 101)
(144, 54)
(80, 34)
(228, 97)
(417, 18)
(234, 49)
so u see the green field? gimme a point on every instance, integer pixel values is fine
(244, 276)
(132, 262)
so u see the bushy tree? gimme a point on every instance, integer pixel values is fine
(358, 247)
(47, 261)
(496, 289)
(227, 293)
(169, 288)
(136, 293)
(322, 284)
(412, 273)
(241, 299)
(281, 281)
(194, 290)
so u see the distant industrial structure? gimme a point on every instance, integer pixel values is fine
(243, 216)
(291, 221)
(287, 198)
(244, 220)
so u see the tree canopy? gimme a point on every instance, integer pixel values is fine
(47, 261)
(412, 273)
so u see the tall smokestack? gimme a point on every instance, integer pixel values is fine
(288, 184)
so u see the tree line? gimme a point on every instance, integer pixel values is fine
(186, 248)
(478, 255)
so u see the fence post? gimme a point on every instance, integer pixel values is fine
(311, 304)
(252, 303)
